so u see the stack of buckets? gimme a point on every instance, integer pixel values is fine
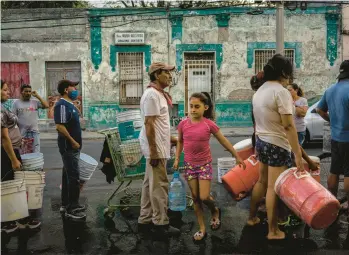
(32, 161)
(129, 124)
(87, 166)
(25, 192)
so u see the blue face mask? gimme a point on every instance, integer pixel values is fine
(73, 94)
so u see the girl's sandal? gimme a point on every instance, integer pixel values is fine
(201, 235)
(216, 223)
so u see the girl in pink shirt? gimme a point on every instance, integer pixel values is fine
(194, 135)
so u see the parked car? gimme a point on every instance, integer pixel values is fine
(314, 123)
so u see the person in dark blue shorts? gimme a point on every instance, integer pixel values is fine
(66, 117)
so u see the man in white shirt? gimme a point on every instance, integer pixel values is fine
(155, 140)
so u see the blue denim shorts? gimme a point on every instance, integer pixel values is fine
(272, 155)
(301, 137)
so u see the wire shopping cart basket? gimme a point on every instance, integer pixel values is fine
(129, 164)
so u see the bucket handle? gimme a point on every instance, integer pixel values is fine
(254, 163)
(301, 175)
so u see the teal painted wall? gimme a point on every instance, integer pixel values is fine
(229, 114)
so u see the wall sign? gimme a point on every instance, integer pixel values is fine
(129, 38)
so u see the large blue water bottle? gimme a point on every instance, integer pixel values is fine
(177, 194)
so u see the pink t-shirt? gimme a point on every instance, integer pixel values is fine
(196, 140)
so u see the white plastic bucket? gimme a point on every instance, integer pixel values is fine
(87, 166)
(32, 161)
(224, 166)
(35, 183)
(129, 124)
(132, 115)
(14, 204)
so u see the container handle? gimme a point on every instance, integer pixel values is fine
(301, 175)
(254, 163)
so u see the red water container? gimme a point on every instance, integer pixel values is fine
(239, 181)
(244, 148)
(307, 198)
(315, 174)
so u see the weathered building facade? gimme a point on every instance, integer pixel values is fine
(214, 49)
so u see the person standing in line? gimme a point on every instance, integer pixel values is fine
(26, 110)
(276, 136)
(66, 117)
(155, 140)
(11, 141)
(334, 107)
(194, 135)
(301, 107)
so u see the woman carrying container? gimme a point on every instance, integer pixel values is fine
(301, 107)
(276, 136)
(11, 141)
(10, 144)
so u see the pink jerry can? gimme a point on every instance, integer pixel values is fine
(239, 181)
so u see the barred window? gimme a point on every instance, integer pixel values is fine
(262, 56)
(131, 77)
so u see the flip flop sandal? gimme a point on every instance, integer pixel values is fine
(201, 235)
(216, 223)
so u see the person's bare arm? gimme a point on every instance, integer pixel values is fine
(63, 131)
(6, 143)
(179, 149)
(150, 132)
(291, 132)
(323, 114)
(301, 111)
(43, 102)
(312, 165)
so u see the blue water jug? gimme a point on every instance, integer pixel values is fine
(177, 194)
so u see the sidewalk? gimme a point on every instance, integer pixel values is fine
(90, 135)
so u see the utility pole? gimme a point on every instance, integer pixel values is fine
(280, 28)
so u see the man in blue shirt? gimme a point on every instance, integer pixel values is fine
(334, 107)
(66, 117)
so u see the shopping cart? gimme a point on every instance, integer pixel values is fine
(129, 165)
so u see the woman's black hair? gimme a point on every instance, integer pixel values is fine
(2, 83)
(278, 67)
(299, 90)
(257, 81)
(205, 98)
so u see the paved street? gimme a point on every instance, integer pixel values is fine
(96, 236)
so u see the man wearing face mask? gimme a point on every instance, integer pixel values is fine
(66, 117)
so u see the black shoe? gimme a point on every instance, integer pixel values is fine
(75, 215)
(166, 231)
(145, 230)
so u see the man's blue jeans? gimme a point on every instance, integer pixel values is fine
(70, 179)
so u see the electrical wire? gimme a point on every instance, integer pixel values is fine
(113, 26)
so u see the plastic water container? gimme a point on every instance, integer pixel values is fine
(315, 174)
(239, 181)
(307, 198)
(224, 166)
(14, 204)
(244, 148)
(177, 194)
(129, 124)
(35, 184)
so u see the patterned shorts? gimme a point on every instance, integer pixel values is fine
(200, 172)
(272, 155)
